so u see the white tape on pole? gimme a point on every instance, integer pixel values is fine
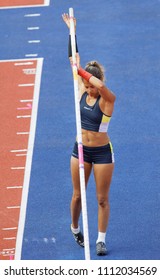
(79, 138)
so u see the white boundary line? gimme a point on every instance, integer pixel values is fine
(31, 55)
(46, 3)
(21, 60)
(32, 15)
(25, 191)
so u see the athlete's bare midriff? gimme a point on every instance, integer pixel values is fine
(94, 139)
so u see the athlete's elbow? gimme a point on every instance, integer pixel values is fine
(101, 86)
(112, 99)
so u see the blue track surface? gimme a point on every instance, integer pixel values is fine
(124, 36)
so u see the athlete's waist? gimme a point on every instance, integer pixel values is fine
(94, 139)
(90, 148)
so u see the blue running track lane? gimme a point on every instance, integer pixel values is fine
(124, 36)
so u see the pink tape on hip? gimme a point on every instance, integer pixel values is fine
(80, 154)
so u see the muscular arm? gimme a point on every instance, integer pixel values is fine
(105, 92)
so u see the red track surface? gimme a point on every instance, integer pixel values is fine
(16, 94)
(12, 3)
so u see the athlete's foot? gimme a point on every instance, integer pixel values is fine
(78, 237)
(101, 249)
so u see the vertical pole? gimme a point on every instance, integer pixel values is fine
(79, 138)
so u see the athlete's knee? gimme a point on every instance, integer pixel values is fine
(76, 197)
(103, 202)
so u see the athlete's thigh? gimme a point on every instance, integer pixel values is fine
(103, 176)
(75, 172)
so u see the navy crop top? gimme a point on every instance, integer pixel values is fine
(92, 118)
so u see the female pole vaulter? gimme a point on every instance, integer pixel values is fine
(96, 106)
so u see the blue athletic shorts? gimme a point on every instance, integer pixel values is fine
(97, 155)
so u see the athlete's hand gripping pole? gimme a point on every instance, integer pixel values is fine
(79, 138)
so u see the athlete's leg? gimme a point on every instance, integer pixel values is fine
(103, 175)
(76, 197)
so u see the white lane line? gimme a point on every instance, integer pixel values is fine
(17, 151)
(27, 173)
(26, 85)
(13, 207)
(33, 28)
(15, 60)
(26, 100)
(31, 55)
(11, 228)
(23, 63)
(24, 108)
(47, 2)
(32, 15)
(28, 107)
(22, 133)
(15, 187)
(26, 6)
(34, 41)
(18, 168)
(9, 238)
(25, 116)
